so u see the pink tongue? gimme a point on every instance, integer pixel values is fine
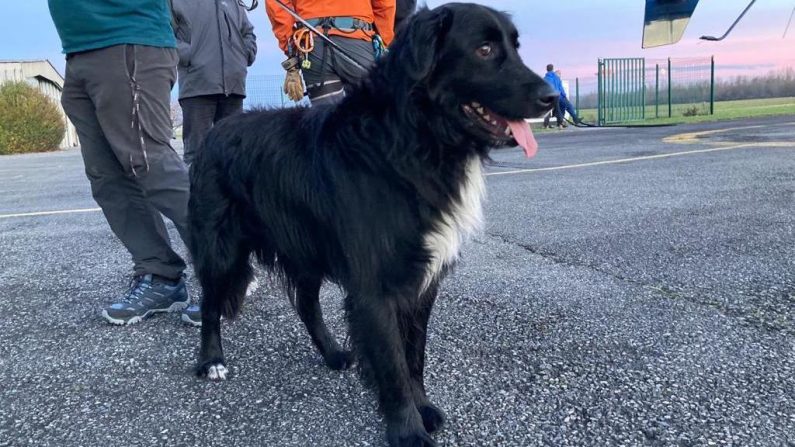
(524, 137)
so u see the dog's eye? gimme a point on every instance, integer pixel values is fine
(484, 50)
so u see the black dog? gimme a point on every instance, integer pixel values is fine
(375, 194)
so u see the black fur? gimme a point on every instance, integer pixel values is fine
(348, 193)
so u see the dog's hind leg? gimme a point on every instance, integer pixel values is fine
(307, 304)
(415, 330)
(224, 271)
(377, 337)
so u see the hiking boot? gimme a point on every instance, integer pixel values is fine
(148, 294)
(192, 315)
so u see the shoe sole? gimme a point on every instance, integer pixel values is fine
(175, 307)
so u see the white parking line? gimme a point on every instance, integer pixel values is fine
(518, 171)
(50, 213)
(647, 157)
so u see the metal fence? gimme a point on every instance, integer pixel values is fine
(681, 87)
(621, 90)
(631, 89)
(263, 91)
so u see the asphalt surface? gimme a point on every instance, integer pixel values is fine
(649, 301)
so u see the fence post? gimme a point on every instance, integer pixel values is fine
(712, 86)
(669, 88)
(577, 94)
(642, 80)
(599, 93)
(656, 90)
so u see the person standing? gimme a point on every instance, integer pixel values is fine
(121, 62)
(216, 44)
(363, 28)
(554, 81)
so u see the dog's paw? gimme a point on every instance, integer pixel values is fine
(418, 439)
(339, 360)
(406, 430)
(432, 417)
(215, 371)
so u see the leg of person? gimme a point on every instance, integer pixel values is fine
(198, 115)
(569, 107)
(361, 50)
(323, 85)
(558, 113)
(137, 126)
(228, 106)
(131, 218)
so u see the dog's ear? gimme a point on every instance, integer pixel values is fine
(420, 39)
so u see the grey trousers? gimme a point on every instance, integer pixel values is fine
(326, 82)
(119, 100)
(199, 114)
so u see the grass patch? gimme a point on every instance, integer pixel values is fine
(724, 110)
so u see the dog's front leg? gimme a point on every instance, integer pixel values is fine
(415, 322)
(211, 354)
(377, 334)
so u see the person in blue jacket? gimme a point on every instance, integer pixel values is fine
(554, 81)
(562, 103)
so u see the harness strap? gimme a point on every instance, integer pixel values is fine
(341, 23)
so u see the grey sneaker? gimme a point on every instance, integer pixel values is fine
(192, 315)
(147, 295)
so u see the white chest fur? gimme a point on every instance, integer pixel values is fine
(464, 218)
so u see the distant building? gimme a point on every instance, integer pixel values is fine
(42, 75)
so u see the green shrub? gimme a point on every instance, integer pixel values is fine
(29, 120)
(691, 111)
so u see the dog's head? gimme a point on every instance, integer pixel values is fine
(464, 57)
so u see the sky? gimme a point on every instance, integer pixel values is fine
(572, 35)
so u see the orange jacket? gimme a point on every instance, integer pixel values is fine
(379, 12)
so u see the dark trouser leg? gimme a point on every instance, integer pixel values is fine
(567, 106)
(98, 99)
(198, 115)
(558, 113)
(228, 106)
(326, 81)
